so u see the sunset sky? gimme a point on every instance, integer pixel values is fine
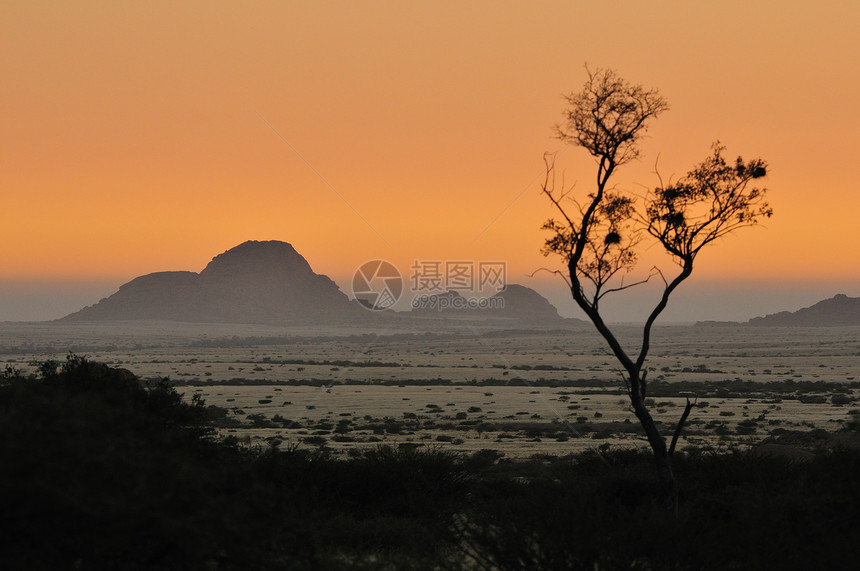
(140, 137)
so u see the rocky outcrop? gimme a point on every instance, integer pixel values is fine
(836, 311)
(514, 302)
(255, 282)
(526, 304)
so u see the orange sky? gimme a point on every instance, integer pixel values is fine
(132, 138)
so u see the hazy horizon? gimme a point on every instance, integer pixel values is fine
(699, 300)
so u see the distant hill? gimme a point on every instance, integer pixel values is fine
(514, 302)
(255, 282)
(524, 303)
(838, 310)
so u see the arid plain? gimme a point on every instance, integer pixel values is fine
(471, 385)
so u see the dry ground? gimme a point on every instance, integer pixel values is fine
(469, 386)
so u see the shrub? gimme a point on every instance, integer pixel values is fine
(99, 471)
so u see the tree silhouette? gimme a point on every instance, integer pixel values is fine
(598, 236)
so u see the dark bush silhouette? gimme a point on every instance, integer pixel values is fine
(739, 511)
(99, 471)
(102, 472)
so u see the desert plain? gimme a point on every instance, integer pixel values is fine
(469, 385)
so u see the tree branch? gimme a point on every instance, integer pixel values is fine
(557, 272)
(664, 300)
(680, 426)
(622, 287)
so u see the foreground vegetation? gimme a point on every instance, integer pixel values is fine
(99, 471)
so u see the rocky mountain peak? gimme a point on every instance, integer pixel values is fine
(255, 260)
(255, 282)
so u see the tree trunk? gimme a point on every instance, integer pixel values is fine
(667, 481)
(663, 459)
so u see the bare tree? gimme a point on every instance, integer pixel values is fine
(598, 236)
